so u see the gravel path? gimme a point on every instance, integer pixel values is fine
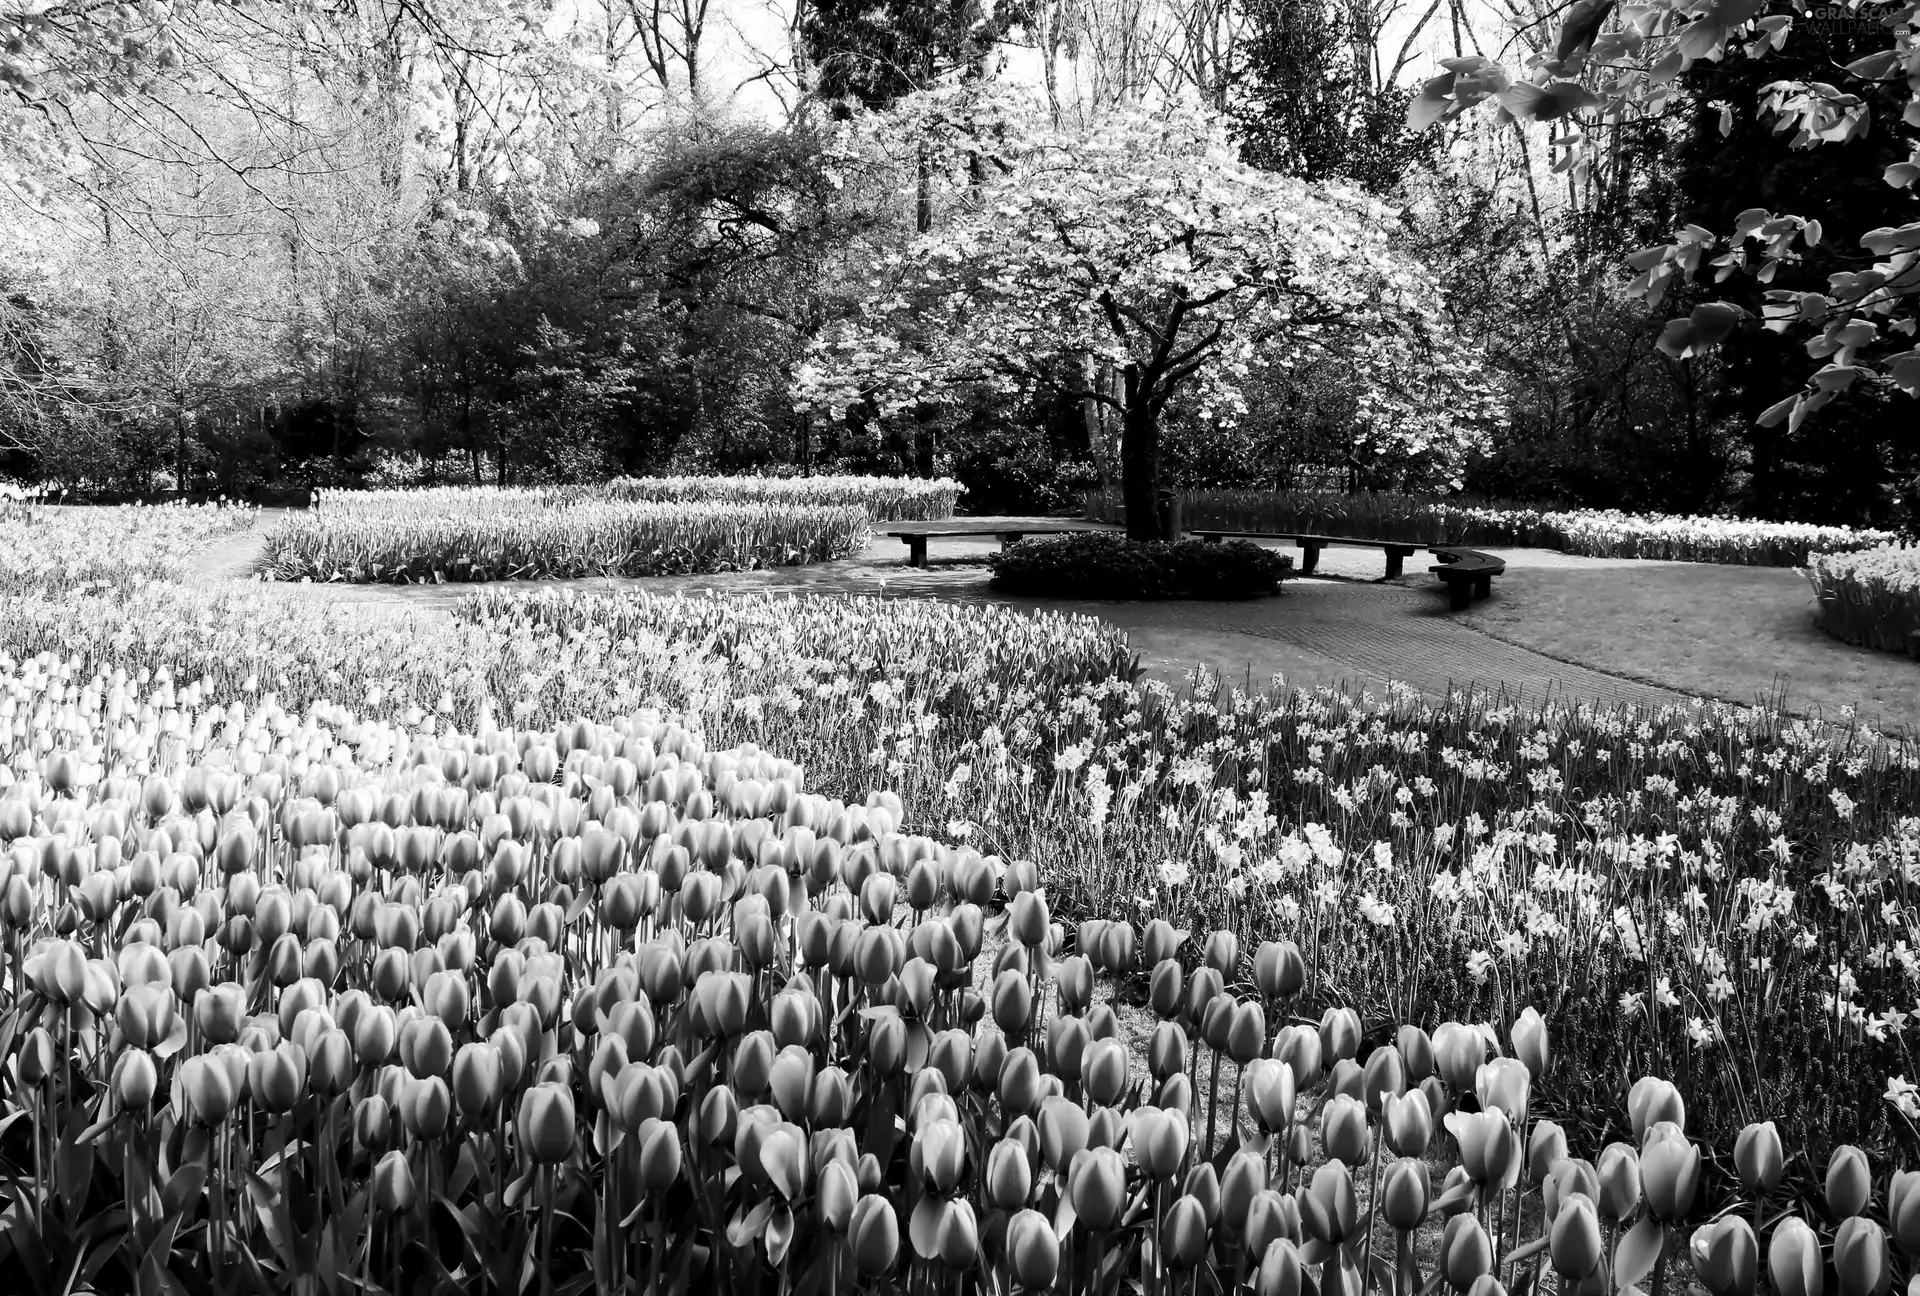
(1344, 626)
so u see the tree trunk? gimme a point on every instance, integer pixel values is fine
(923, 196)
(1140, 460)
(1096, 430)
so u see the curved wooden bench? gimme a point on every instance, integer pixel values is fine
(1007, 531)
(1467, 573)
(1310, 546)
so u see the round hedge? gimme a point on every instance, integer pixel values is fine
(1106, 565)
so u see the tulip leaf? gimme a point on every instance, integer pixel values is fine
(183, 1189)
(1064, 1218)
(745, 1226)
(1637, 1254)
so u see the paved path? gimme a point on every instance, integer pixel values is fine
(1346, 625)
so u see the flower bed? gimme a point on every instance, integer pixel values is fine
(1871, 598)
(87, 548)
(676, 942)
(885, 499)
(1099, 565)
(1596, 533)
(458, 535)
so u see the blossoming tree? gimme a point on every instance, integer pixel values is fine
(1143, 248)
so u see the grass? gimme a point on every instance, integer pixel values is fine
(1736, 633)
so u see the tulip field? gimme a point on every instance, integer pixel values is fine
(885, 499)
(630, 943)
(1871, 597)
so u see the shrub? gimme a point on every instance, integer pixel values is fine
(1871, 598)
(1102, 565)
(885, 499)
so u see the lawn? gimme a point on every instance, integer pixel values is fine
(1737, 633)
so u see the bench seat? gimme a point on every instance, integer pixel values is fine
(1310, 546)
(1467, 573)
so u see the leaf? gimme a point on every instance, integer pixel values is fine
(1637, 1254)
(745, 1226)
(1774, 414)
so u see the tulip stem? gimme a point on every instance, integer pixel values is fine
(546, 1235)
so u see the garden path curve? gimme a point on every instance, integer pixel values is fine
(1343, 626)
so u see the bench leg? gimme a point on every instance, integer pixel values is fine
(1482, 586)
(1211, 539)
(1309, 558)
(1394, 560)
(1010, 537)
(916, 550)
(1459, 595)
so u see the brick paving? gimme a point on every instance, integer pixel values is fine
(1345, 626)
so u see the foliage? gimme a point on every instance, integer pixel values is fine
(455, 534)
(1102, 565)
(1870, 597)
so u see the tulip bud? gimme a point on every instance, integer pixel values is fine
(1063, 1132)
(1270, 1094)
(1503, 1085)
(1794, 1261)
(1725, 1256)
(1247, 1033)
(1019, 1087)
(1279, 970)
(1669, 1173)
(1033, 1251)
(659, 1155)
(1758, 1156)
(1009, 1175)
(1860, 1258)
(874, 1233)
(1546, 1149)
(1097, 1187)
(1903, 1210)
(1529, 1036)
(546, 1123)
(1340, 1033)
(134, 1080)
(1166, 989)
(1343, 1130)
(1183, 1234)
(1573, 1241)
(1849, 1182)
(393, 1190)
(1383, 1077)
(1404, 1194)
(1408, 1124)
(1652, 1100)
(1160, 1139)
(1223, 954)
(1619, 1173)
(1416, 1052)
(1466, 1253)
(1270, 1218)
(1329, 1209)
(1459, 1051)
(1280, 1271)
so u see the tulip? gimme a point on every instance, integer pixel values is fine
(939, 1155)
(1165, 989)
(1280, 1271)
(1027, 919)
(1573, 1240)
(1009, 1175)
(1404, 1194)
(1222, 954)
(1019, 1087)
(1063, 1132)
(134, 1080)
(1104, 1071)
(1652, 1100)
(145, 1014)
(834, 1197)
(476, 1079)
(1793, 1259)
(659, 1155)
(1160, 1139)
(1860, 1258)
(393, 1190)
(546, 1123)
(220, 1011)
(1329, 1209)
(1849, 1182)
(373, 1123)
(1279, 970)
(1569, 1178)
(1033, 1251)
(1299, 1048)
(1245, 1177)
(1669, 1173)
(1466, 1253)
(1529, 1037)
(1458, 1052)
(1012, 1000)
(1903, 1210)
(1246, 1033)
(1546, 1149)
(1383, 1077)
(1502, 1085)
(1758, 1156)
(1407, 1123)
(1489, 1149)
(1619, 1173)
(1725, 1256)
(1270, 1217)
(1183, 1234)
(1269, 1087)
(1343, 1130)
(1097, 1187)
(1340, 1033)
(1167, 1051)
(208, 1087)
(278, 1079)
(874, 1232)
(1416, 1052)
